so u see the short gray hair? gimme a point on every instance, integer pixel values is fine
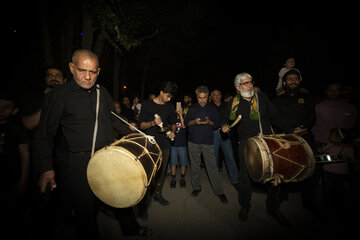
(240, 77)
(86, 52)
(202, 89)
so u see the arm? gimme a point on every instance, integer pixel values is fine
(43, 140)
(180, 114)
(25, 167)
(32, 121)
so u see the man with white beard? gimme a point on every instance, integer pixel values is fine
(251, 106)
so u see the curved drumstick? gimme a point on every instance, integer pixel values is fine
(235, 122)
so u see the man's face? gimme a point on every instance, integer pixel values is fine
(246, 88)
(333, 91)
(292, 82)
(216, 96)
(7, 108)
(85, 71)
(126, 101)
(165, 97)
(202, 98)
(54, 78)
(187, 100)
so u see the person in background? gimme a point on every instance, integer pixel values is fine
(15, 167)
(30, 104)
(223, 141)
(202, 119)
(187, 102)
(336, 174)
(331, 113)
(179, 152)
(288, 65)
(136, 106)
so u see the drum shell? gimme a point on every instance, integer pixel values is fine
(288, 156)
(119, 174)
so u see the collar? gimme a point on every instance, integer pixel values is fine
(75, 87)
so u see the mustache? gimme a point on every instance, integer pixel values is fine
(54, 81)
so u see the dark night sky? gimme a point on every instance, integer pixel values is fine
(233, 39)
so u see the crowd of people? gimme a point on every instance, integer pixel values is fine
(48, 138)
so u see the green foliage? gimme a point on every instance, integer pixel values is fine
(124, 24)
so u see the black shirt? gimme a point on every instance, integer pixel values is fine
(269, 115)
(167, 113)
(74, 110)
(298, 110)
(202, 134)
(12, 134)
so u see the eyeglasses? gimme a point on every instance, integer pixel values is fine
(57, 76)
(247, 83)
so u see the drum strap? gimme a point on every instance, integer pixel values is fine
(258, 110)
(96, 120)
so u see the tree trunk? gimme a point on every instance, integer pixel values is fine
(116, 74)
(47, 50)
(88, 31)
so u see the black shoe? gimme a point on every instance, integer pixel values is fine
(161, 200)
(173, 183)
(243, 214)
(144, 216)
(144, 231)
(195, 192)
(223, 198)
(313, 209)
(280, 219)
(182, 183)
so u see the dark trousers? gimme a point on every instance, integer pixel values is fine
(161, 174)
(86, 205)
(273, 198)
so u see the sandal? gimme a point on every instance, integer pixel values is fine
(145, 231)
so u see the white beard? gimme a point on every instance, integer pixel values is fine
(247, 94)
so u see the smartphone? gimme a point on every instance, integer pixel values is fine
(178, 106)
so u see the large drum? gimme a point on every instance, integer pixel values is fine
(288, 158)
(120, 173)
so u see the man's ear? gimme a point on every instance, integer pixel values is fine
(71, 67)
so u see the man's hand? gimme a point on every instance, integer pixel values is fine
(225, 128)
(300, 131)
(45, 178)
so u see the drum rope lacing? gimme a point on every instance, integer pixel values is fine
(150, 138)
(278, 178)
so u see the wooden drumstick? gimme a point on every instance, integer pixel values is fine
(235, 122)
(157, 116)
(161, 126)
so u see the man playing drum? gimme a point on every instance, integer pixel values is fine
(298, 108)
(251, 106)
(83, 112)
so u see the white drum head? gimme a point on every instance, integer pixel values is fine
(116, 178)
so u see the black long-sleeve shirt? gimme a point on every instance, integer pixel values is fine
(298, 110)
(269, 115)
(73, 109)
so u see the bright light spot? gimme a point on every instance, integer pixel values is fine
(124, 87)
